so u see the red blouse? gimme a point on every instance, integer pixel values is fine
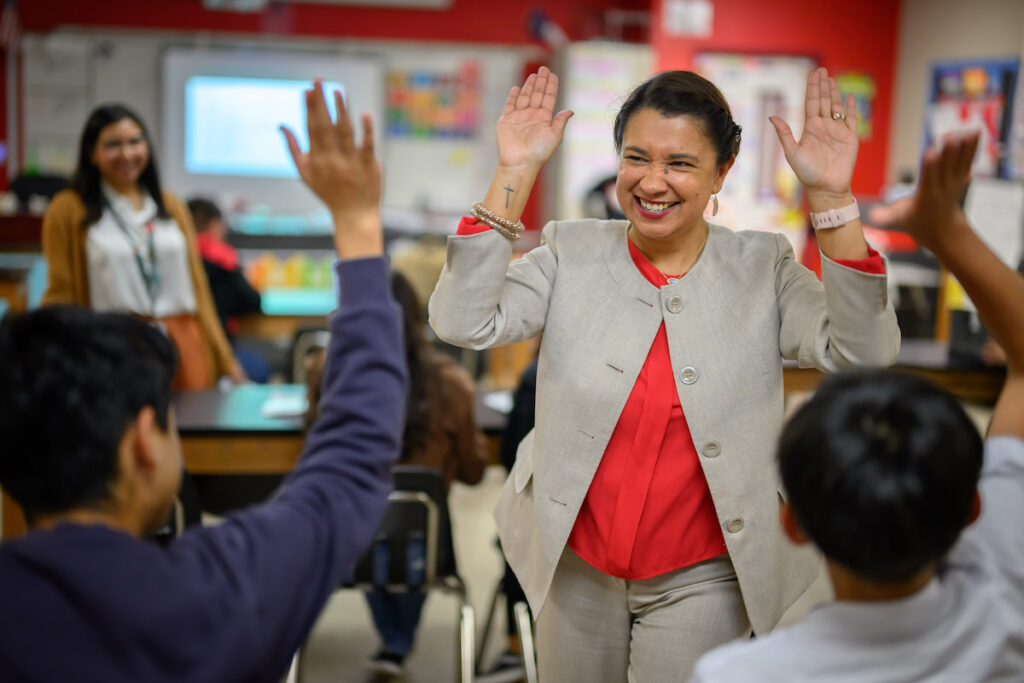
(648, 510)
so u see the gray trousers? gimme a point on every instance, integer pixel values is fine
(596, 628)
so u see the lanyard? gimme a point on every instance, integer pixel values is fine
(150, 276)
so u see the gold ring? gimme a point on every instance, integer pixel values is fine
(838, 116)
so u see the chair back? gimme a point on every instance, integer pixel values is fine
(413, 548)
(305, 341)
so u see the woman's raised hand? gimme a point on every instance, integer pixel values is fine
(528, 129)
(824, 158)
(345, 177)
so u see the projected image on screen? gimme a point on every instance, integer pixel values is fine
(231, 124)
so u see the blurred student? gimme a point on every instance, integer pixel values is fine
(232, 294)
(885, 474)
(115, 242)
(440, 432)
(91, 452)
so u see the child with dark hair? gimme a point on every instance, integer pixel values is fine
(918, 519)
(232, 293)
(91, 452)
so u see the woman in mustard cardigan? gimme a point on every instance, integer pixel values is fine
(115, 242)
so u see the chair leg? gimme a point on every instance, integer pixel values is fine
(466, 636)
(179, 517)
(488, 623)
(295, 670)
(525, 629)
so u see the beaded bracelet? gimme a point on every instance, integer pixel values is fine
(505, 228)
(480, 211)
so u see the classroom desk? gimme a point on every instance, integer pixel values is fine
(925, 357)
(227, 433)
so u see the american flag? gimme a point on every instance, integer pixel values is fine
(10, 27)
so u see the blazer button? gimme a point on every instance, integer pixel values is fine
(688, 375)
(711, 449)
(735, 525)
(674, 304)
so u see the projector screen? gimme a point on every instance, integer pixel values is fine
(218, 141)
(221, 112)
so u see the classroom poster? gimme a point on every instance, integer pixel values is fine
(969, 96)
(761, 191)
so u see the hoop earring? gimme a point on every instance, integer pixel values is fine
(714, 205)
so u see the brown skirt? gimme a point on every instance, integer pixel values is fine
(195, 366)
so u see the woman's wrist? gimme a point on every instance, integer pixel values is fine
(358, 234)
(509, 191)
(823, 200)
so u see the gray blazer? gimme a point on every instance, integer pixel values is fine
(744, 307)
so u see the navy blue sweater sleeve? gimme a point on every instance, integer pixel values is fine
(269, 571)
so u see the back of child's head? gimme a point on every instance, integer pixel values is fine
(71, 382)
(204, 211)
(881, 470)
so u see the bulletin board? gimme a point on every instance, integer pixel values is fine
(976, 95)
(595, 77)
(761, 192)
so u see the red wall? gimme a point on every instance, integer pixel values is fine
(841, 36)
(478, 21)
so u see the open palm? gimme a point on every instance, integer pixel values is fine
(528, 130)
(824, 158)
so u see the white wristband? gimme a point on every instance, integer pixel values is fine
(833, 218)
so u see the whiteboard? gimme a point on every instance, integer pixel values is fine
(362, 78)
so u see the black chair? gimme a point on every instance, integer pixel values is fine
(305, 342)
(414, 552)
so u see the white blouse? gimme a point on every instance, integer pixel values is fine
(118, 255)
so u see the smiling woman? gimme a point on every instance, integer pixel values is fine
(115, 242)
(641, 516)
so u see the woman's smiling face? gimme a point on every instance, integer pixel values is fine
(121, 153)
(668, 171)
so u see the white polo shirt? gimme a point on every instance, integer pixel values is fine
(966, 625)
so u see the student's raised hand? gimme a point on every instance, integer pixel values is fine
(824, 158)
(528, 129)
(346, 177)
(933, 213)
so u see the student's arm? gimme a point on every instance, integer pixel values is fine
(266, 573)
(933, 216)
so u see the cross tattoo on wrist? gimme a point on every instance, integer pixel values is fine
(508, 193)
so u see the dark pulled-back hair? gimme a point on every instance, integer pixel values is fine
(881, 470)
(71, 382)
(86, 180)
(424, 378)
(203, 211)
(423, 374)
(684, 93)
